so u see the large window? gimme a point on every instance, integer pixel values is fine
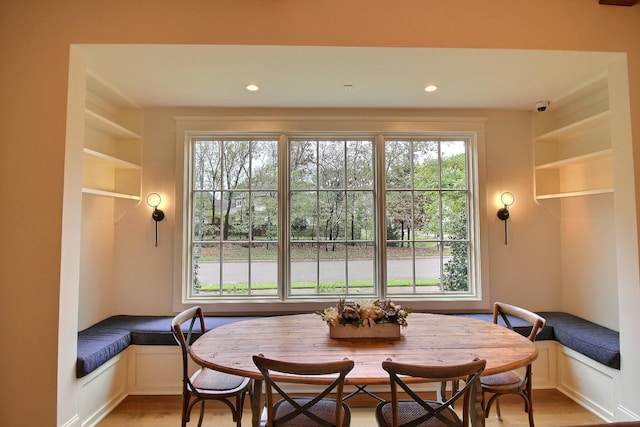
(331, 213)
(290, 217)
(234, 221)
(427, 216)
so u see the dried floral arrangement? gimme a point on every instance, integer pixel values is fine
(365, 313)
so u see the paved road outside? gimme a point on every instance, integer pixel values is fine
(305, 271)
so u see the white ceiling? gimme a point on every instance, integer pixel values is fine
(302, 76)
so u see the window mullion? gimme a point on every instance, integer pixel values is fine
(284, 234)
(441, 215)
(412, 198)
(380, 202)
(347, 205)
(223, 194)
(317, 235)
(250, 218)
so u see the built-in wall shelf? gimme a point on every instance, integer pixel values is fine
(108, 160)
(112, 128)
(113, 142)
(576, 160)
(574, 194)
(110, 194)
(572, 145)
(577, 128)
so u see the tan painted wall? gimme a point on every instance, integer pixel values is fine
(34, 43)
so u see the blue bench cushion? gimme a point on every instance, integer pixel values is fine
(98, 344)
(155, 330)
(104, 340)
(594, 341)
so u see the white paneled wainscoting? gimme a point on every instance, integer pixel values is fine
(155, 370)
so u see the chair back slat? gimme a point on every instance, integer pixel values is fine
(500, 384)
(504, 310)
(276, 373)
(212, 385)
(430, 411)
(193, 316)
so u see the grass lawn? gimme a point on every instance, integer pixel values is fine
(268, 252)
(328, 287)
(311, 252)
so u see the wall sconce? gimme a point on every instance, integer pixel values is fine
(157, 215)
(503, 213)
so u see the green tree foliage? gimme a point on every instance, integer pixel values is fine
(455, 277)
(450, 173)
(235, 172)
(331, 183)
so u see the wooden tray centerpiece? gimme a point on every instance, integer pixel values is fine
(377, 330)
(365, 319)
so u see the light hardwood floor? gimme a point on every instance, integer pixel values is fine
(552, 409)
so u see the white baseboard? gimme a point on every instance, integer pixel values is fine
(624, 414)
(75, 421)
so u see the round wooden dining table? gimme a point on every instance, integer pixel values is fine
(429, 339)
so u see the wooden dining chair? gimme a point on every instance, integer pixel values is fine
(296, 411)
(512, 382)
(205, 384)
(417, 411)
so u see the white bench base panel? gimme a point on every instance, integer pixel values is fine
(155, 370)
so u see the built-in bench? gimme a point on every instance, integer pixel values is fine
(590, 339)
(594, 341)
(125, 355)
(104, 340)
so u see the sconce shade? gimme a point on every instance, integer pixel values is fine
(507, 198)
(154, 199)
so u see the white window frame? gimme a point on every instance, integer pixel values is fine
(471, 128)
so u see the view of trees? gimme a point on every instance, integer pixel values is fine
(331, 191)
(331, 203)
(235, 184)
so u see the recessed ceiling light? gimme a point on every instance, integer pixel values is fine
(252, 87)
(431, 88)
